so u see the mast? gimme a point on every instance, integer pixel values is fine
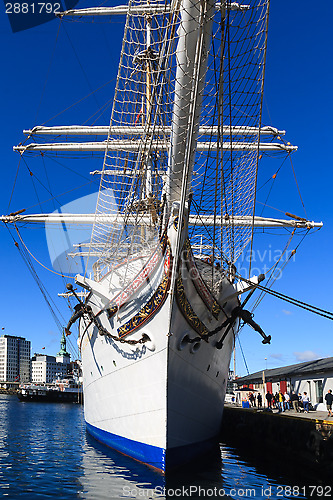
(148, 103)
(193, 43)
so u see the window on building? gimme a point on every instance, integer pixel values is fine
(309, 390)
(319, 390)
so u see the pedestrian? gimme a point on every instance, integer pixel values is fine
(269, 398)
(300, 402)
(259, 400)
(306, 402)
(329, 402)
(281, 401)
(286, 401)
(295, 401)
(252, 399)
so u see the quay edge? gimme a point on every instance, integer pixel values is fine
(306, 438)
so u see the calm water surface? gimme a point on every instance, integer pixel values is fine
(46, 453)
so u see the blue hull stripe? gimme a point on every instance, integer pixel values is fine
(150, 455)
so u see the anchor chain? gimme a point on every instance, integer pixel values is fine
(80, 309)
(238, 312)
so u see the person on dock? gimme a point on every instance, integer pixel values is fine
(295, 401)
(269, 398)
(252, 399)
(259, 400)
(281, 401)
(329, 402)
(286, 401)
(306, 402)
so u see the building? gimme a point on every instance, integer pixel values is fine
(45, 369)
(314, 377)
(14, 359)
(63, 356)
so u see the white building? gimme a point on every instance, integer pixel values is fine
(314, 377)
(14, 359)
(45, 369)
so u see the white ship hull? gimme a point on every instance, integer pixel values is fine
(160, 402)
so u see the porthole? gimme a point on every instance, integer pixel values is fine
(217, 374)
(208, 368)
(195, 347)
(183, 342)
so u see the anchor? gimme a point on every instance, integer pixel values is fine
(246, 316)
(79, 309)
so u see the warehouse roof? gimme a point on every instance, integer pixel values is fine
(276, 374)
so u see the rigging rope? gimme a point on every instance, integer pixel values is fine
(299, 192)
(78, 102)
(40, 285)
(259, 134)
(28, 251)
(48, 72)
(271, 187)
(271, 279)
(245, 363)
(262, 294)
(24, 252)
(291, 300)
(14, 184)
(81, 66)
(59, 195)
(232, 236)
(32, 177)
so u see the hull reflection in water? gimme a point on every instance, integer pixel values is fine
(109, 474)
(224, 472)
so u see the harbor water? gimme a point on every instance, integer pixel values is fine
(45, 452)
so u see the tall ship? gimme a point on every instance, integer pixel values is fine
(161, 298)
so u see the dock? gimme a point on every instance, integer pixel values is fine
(307, 437)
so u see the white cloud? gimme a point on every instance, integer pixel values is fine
(306, 355)
(276, 356)
(285, 311)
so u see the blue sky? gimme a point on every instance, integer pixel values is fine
(298, 96)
